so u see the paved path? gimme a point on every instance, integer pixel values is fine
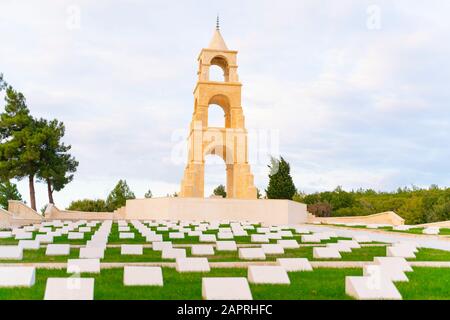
(425, 241)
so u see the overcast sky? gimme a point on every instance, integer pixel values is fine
(357, 91)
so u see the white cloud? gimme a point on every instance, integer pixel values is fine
(353, 107)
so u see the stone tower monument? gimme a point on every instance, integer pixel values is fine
(229, 142)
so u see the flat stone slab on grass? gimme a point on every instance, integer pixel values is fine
(192, 265)
(176, 235)
(161, 245)
(226, 289)
(83, 265)
(251, 254)
(311, 238)
(301, 230)
(202, 249)
(57, 250)
(154, 238)
(240, 233)
(84, 229)
(286, 233)
(226, 246)
(24, 236)
(339, 247)
(75, 236)
(207, 238)
(259, 238)
(272, 248)
(142, 276)
(431, 231)
(92, 252)
(385, 271)
(29, 244)
(194, 233)
(172, 253)
(131, 249)
(370, 288)
(44, 238)
(14, 276)
(397, 262)
(401, 251)
(69, 289)
(274, 235)
(350, 243)
(288, 244)
(267, 275)
(5, 234)
(126, 235)
(326, 253)
(225, 235)
(11, 253)
(295, 264)
(124, 229)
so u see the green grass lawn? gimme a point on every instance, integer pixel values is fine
(321, 284)
(426, 254)
(426, 284)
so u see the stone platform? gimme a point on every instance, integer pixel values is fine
(210, 209)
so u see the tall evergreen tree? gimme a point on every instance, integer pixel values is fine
(119, 196)
(281, 185)
(8, 191)
(21, 140)
(57, 165)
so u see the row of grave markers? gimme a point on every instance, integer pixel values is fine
(376, 283)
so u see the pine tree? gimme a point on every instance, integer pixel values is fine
(8, 191)
(119, 196)
(220, 191)
(148, 194)
(281, 185)
(20, 150)
(57, 165)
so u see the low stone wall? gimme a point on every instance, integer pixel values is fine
(213, 209)
(53, 213)
(5, 219)
(19, 210)
(388, 217)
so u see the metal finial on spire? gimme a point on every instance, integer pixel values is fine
(217, 23)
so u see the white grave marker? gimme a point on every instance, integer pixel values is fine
(226, 289)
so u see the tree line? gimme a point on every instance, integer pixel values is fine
(415, 205)
(31, 148)
(116, 199)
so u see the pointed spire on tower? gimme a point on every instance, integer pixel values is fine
(217, 41)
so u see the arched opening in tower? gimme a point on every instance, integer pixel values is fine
(216, 116)
(216, 73)
(215, 174)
